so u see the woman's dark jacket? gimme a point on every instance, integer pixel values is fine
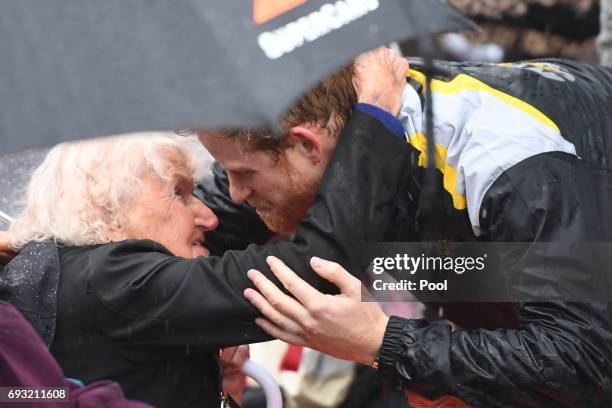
(133, 313)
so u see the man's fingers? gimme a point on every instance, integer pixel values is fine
(227, 354)
(241, 354)
(270, 312)
(336, 274)
(399, 65)
(283, 303)
(232, 358)
(279, 333)
(402, 67)
(306, 294)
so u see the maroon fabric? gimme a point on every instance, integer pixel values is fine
(26, 362)
(291, 360)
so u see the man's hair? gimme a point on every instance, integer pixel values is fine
(327, 105)
(83, 190)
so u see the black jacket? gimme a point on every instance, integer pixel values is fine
(133, 313)
(531, 154)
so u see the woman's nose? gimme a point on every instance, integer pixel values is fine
(205, 217)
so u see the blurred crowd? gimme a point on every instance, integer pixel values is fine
(527, 29)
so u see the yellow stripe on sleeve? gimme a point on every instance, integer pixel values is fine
(463, 82)
(419, 142)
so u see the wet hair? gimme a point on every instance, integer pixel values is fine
(327, 104)
(84, 190)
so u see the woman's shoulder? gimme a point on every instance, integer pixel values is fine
(128, 247)
(125, 258)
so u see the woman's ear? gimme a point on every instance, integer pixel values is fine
(116, 232)
(308, 142)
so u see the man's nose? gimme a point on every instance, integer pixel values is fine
(206, 218)
(238, 191)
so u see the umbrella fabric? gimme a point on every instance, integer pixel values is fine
(91, 68)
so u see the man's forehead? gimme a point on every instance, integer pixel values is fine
(245, 163)
(225, 150)
(216, 143)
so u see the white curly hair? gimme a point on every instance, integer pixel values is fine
(84, 190)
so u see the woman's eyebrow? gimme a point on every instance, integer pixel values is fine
(182, 178)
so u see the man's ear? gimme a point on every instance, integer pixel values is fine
(308, 142)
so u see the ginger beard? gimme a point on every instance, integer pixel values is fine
(284, 215)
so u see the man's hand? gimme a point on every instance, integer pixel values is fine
(340, 325)
(6, 251)
(380, 78)
(232, 359)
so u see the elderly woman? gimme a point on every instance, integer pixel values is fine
(120, 308)
(113, 269)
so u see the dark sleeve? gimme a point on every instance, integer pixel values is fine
(390, 121)
(239, 224)
(561, 353)
(200, 302)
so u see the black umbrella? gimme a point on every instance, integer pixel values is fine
(90, 68)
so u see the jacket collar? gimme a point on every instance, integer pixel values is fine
(30, 283)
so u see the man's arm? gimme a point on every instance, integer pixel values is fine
(560, 355)
(200, 302)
